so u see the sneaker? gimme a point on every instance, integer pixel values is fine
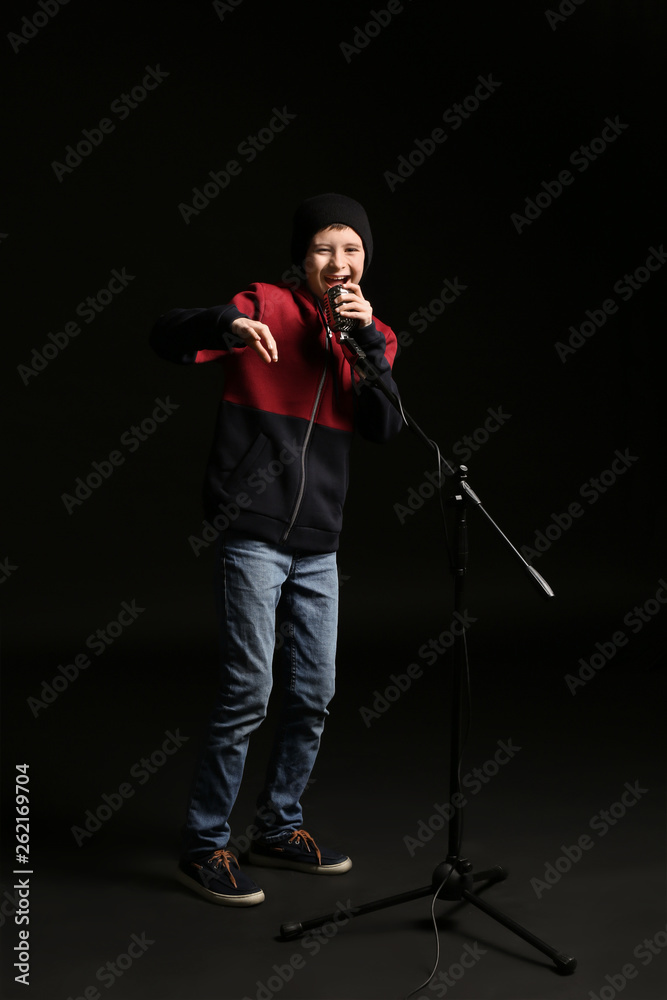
(214, 879)
(300, 853)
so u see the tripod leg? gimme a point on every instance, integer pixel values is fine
(296, 929)
(564, 963)
(495, 874)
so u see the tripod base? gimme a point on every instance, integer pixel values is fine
(453, 879)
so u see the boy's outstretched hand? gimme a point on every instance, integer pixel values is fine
(258, 337)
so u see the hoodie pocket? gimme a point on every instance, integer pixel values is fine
(257, 453)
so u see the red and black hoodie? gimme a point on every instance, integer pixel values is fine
(280, 452)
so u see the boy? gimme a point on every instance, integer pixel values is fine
(280, 461)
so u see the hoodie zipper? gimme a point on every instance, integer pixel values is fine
(306, 442)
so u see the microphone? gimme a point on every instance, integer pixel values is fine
(339, 324)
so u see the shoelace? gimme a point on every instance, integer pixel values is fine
(304, 836)
(222, 857)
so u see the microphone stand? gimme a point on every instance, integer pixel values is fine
(454, 878)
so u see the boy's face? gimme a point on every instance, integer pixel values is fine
(334, 257)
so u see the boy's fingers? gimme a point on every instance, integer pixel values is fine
(255, 343)
(259, 338)
(270, 343)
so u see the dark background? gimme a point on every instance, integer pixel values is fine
(66, 575)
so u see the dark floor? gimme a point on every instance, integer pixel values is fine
(575, 812)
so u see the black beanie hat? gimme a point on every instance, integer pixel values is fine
(325, 210)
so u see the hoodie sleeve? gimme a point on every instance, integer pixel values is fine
(377, 419)
(195, 336)
(192, 336)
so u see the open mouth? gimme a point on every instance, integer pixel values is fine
(336, 279)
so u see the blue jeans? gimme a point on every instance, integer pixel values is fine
(253, 577)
